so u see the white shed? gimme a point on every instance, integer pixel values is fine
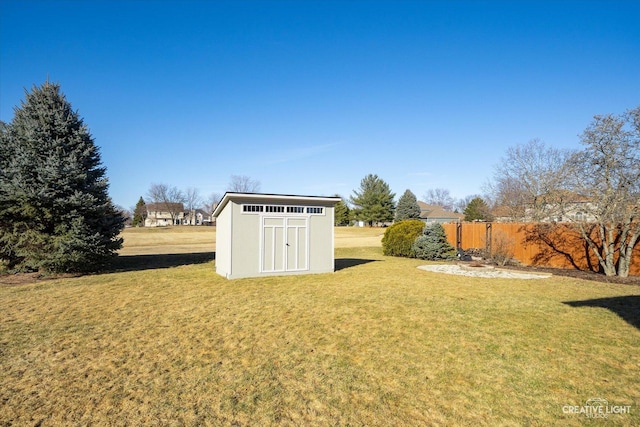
(274, 234)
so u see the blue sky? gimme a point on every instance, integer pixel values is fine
(309, 97)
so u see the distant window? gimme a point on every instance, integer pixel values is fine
(313, 210)
(275, 208)
(252, 208)
(295, 209)
(580, 216)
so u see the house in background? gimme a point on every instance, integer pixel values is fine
(434, 213)
(196, 217)
(562, 207)
(164, 214)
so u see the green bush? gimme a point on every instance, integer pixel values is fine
(433, 244)
(398, 239)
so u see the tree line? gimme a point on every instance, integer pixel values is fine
(374, 203)
(56, 214)
(595, 190)
(175, 201)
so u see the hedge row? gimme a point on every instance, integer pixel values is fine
(415, 239)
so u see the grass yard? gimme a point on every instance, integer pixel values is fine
(179, 240)
(166, 341)
(168, 240)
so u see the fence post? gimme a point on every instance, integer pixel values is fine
(487, 238)
(458, 236)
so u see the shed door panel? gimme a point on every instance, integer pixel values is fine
(296, 244)
(273, 242)
(285, 245)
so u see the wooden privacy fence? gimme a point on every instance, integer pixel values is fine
(540, 244)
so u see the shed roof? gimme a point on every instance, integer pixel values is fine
(272, 198)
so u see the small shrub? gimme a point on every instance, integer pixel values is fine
(502, 248)
(433, 244)
(398, 239)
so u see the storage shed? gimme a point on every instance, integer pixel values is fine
(274, 234)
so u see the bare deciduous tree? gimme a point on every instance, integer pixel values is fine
(243, 184)
(530, 180)
(607, 172)
(596, 189)
(192, 202)
(212, 202)
(171, 199)
(504, 197)
(440, 197)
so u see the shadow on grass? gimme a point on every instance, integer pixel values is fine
(627, 307)
(342, 263)
(151, 262)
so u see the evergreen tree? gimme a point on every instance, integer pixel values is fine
(374, 201)
(55, 213)
(477, 210)
(341, 212)
(433, 244)
(407, 207)
(140, 213)
(4, 149)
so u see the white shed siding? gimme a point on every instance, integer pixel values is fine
(224, 226)
(245, 242)
(261, 235)
(321, 234)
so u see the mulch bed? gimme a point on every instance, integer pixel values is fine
(578, 274)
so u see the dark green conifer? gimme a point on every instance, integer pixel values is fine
(374, 202)
(341, 212)
(408, 207)
(140, 213)
(55, 212)
(477, 210)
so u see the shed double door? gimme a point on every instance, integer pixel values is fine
(285, 244)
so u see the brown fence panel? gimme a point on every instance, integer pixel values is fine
(450, 230)
(549, 245)
(473, 234)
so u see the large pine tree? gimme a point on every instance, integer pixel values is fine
(477, 210)
(55, 212)
(140, 213)
(374, 202)
(408, 207)
(341, 212)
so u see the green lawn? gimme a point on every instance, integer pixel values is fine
(378, 342)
